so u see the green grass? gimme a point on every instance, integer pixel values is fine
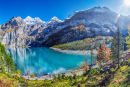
(120, 80)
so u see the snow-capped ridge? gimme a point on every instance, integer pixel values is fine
(94, 9)
(54, 20)
(30, 20)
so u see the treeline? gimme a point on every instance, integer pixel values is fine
(84, 44)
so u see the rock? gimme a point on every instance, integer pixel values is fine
(94, 77)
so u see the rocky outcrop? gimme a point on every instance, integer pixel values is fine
(68, 34)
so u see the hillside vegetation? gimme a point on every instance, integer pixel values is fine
(85, 44)
(117, 78)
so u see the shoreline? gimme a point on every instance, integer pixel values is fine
(50, 77)
(81, 52)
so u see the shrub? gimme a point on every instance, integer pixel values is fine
(36, 79)
(76, 82)
(70, 77)
(59, 76)
(67, 78)
(16, 77)
(54, 77)
(93, 71)
(78, 76)
(63, 76)
(32, 75)
(75, 76)
(112, 69)
(18, 72)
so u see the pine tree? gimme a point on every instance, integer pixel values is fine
(116, 46)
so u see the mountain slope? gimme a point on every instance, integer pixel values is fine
(82, 24)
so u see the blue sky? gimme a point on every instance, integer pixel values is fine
(46, 9)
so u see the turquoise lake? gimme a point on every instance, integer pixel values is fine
(41, 60)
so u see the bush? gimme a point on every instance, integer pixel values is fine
(78, 76)
(63, 76)
(54, 77)
(59, 76)
(32, 75)
(16, 77)
(76, 82)
(93, 71)
(112, 69)
(75, 76)
(36, 79)
(67, 78)
(18, 72)
(70, 77)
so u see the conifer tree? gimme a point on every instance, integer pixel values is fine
(116, 46)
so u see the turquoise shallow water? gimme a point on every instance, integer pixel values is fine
(41, 60)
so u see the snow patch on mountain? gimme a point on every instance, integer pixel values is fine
(55, 20)
(36, 20)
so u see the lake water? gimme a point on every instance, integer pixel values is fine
(41, 60)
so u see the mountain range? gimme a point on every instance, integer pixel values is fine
(18, 32)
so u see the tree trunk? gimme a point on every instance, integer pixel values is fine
(118, 51)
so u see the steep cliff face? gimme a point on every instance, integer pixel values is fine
(69, 34)
(26, 32)
(82, 24)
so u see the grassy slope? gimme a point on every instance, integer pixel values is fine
(120, 80)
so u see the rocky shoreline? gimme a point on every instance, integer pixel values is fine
(82, 52)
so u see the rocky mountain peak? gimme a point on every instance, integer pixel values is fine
(15, 21)
(54, 20)
(30, 20)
